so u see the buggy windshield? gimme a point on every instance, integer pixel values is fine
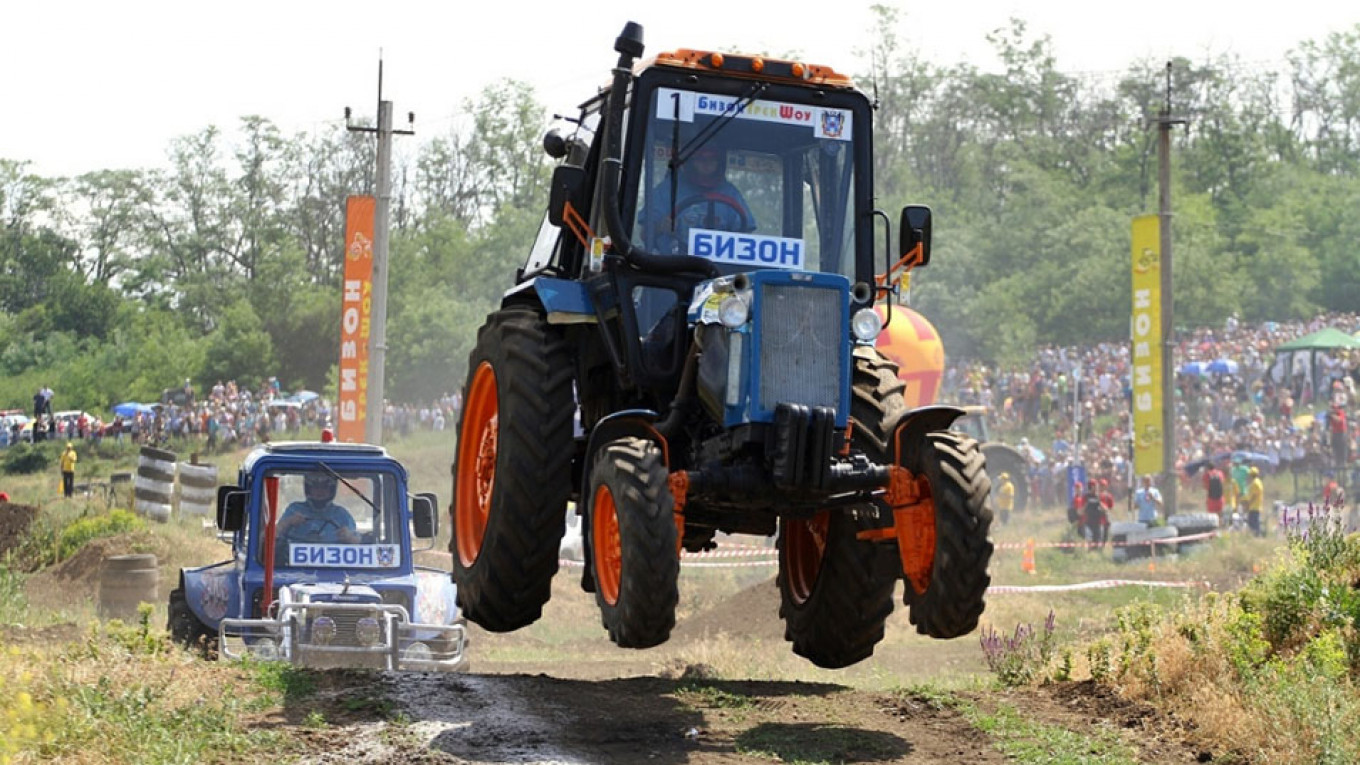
(325, 520)
(747, 183)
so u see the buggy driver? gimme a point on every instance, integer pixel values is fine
(317, 519)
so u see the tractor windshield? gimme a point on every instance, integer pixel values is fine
(747, 182)
(324, 522)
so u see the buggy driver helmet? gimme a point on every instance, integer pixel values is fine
(319, 488)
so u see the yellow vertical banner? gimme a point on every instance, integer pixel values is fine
(1147, 346)
(356, 303)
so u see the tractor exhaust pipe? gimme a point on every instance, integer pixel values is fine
(629, 46)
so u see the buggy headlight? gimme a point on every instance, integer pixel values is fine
(866, 324)
(366, 631)
(323, 630)
(417, 652)
(732, 312)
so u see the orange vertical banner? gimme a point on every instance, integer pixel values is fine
(355, 306)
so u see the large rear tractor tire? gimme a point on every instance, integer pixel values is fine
(835, 590)
(952, 602)
(633, 548)
(512, 476)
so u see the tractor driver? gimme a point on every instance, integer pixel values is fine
(317, 519)
(704, 199)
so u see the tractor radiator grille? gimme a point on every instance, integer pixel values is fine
(802, 332)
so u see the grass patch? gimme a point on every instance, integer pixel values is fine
(122, 694)
(699, 696)
(292, 683)
(13, 600)
(1266, 676)
(1030, 741)
(1026, 740)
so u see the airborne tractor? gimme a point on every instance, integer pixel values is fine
(702, 296)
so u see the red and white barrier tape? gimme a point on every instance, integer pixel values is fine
(1050, 545)
(1098, 585)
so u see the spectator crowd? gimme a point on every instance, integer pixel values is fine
(1075, 402)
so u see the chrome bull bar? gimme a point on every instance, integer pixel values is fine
(400, 644)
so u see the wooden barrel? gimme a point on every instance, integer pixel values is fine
(125, 581)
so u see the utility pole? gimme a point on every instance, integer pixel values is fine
(377, 338)
(1164, 124)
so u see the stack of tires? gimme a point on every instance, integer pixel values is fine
(1194, 524)
(197, 489)
(1133, 540)
(154, 487)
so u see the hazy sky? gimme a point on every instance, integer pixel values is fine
(97, 84)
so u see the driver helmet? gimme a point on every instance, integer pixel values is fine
(319, 488)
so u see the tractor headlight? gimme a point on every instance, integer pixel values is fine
(866, 324)
(367, 632)
(323, 630)
(732, 312)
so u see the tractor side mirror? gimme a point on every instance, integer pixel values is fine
(567, 183)
(231, 508)
(424, 519)
(914, 228)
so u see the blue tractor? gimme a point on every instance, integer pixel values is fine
(322, 573)
(701, 299)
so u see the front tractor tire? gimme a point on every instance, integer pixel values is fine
(835, 590)
(634, 554)
(953, 600)
(512, 477)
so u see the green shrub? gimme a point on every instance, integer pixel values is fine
(23, 458)
(79, 533)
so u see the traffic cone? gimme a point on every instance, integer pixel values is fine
(1027, 561)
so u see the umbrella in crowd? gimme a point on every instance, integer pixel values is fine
(131, 409)
(1222, 367)
(1257, 458)
(1196, 368)
(303, 396)
(1254, 458)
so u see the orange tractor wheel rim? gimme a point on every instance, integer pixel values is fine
(476, 463)
(804, 549)
(606, 545)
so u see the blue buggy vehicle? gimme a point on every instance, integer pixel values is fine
(321, 573)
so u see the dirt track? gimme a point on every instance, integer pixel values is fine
(611, 707)
(488, 718)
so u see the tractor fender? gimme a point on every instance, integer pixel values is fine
(563, 301)
(212, 592)
(914, 424)
(639, 423)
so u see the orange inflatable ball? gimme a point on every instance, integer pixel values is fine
(912, 342)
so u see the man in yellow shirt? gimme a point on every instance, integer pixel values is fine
(68, 470)
(1254, 500)
(1005, 497)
